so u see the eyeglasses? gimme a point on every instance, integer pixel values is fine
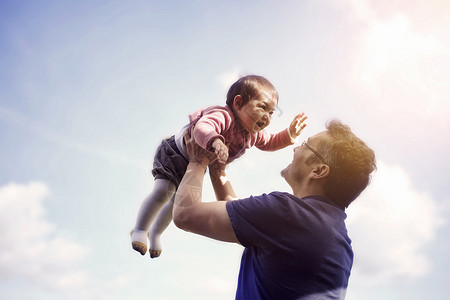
(313, 151)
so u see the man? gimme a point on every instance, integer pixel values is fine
(296, 245)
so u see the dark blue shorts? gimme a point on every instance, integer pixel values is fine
(169, 163)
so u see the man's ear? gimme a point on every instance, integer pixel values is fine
(237, 102)
(321, 171)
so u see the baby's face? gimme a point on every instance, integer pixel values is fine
(256, 114)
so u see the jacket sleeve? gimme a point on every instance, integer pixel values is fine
(271, 142)
(211, 126)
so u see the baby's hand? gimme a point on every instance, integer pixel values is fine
(297, 125)
(221, 151)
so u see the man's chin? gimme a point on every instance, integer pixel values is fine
(284, 171)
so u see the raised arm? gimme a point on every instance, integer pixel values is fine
(272, 142)
(209, 219)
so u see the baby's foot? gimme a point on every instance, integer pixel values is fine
(139, 240)
(155, 246)
(154, 253)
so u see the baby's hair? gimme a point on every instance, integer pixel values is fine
(249, 87)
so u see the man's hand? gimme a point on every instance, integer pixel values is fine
(297, 125)
(221, 151)
(196, 153)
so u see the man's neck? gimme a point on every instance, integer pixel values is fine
(304, 191)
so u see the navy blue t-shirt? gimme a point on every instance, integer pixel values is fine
(294, 248)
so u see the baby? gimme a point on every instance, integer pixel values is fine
(226, 130)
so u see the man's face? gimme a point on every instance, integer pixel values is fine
(298, 169)
(256, 114)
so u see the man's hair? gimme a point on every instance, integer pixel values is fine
(351, 163)
(249, 87)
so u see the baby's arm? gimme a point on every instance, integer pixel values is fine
(297, 125)
(221, 184)
(271, 142)
(221, 150)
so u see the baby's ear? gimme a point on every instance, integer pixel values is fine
(237, 102)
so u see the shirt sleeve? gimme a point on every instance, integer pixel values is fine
(212, 125)
(257, 221)
(271, 142)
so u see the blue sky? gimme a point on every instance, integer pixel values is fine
(88, 90)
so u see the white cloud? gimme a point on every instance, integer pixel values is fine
(31, 247)
(403, 69)
(393, 43)
(228, 78)
(41, 258)
(390, 226)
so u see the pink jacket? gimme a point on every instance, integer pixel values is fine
(219, 122)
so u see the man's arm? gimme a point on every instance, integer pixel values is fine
(189, 212)
(221, 184)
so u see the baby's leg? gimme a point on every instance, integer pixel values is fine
(163, 190)
(159, 225)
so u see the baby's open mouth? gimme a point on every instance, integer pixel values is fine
(260, 124)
